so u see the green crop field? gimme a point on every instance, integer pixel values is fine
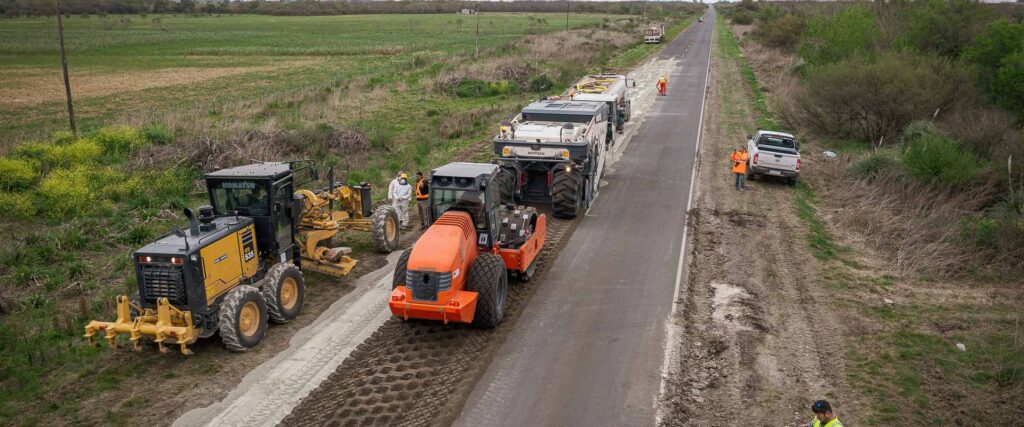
(161, 99)
(159, 63)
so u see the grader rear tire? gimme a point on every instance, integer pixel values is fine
(385, 229)
(243, 318)
(487, 277)
(566, 192)
(283, 289)
(401, 268)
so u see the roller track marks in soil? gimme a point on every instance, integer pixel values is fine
(418, 372)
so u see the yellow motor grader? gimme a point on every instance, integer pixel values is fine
(239, 264)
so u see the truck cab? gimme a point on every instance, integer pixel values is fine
(775, 154)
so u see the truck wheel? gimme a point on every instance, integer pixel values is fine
(384, 229)
(283, 289)
(242, 318)
(505, 180)
(400, 269)
(791, 181)
(488, 279)
(751, 176)
(566, 192)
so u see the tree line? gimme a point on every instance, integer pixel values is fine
(16, 8)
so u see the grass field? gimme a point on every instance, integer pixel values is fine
(368, 94)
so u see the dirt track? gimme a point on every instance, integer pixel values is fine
(753, 334)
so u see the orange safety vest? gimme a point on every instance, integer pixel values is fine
(420, 195)
(739, 161)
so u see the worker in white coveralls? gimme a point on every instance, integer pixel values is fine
(400, 198)
(393, 184)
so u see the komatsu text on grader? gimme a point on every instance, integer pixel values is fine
(458, 270)
(238, 264)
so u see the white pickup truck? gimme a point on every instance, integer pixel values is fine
(773, 154)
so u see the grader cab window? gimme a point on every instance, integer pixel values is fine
(245, 197)
(469, 201)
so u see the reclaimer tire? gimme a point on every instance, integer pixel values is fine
(284, 290)
(566, 191)
(236, 333)
(385, 229)
(487, 277)
(401, 268)
(505, 180)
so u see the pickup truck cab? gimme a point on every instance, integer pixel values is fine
(773, 154)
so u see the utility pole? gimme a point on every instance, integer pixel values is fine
(64, 64)
(567, 16)
(477, 29)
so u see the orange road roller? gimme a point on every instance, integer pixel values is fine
(458, 270)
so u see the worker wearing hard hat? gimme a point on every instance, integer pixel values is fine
(422, 188)
(823, 416)
(739, 167)
(663, 85)
(401, 197)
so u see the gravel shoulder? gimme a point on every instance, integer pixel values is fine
(753, 330)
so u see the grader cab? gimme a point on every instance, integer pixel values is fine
(238, 264)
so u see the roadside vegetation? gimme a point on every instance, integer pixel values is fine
(919, 218)
(370, 95)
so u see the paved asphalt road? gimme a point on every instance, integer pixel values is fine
(589, 348)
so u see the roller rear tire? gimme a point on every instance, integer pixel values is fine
(401, 268)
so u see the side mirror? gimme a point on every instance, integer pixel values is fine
(177, 232)
(314, 173)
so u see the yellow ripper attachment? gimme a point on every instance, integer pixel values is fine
(319, 223)
(166, 325)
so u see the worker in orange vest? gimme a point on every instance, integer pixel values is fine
(739, 167)
(663, 85)
(422, 200)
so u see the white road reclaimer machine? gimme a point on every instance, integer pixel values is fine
(613, 90)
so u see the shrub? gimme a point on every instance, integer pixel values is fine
(541, 83)
(17, 205)
(849, 33)
(868, 101)
(942, 27)
(742, 17)
(782, 32)
(16, 174)
(469, 88)
(874, 165)
(157, 134)
(933, 158)
(82, 151)
(63, 137)
(919, 128)
(67, 192)
(118, 141)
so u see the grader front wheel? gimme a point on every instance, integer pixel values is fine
(385, 229)
(243, 318)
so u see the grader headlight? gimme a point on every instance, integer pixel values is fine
(565, 154)
(506, 151)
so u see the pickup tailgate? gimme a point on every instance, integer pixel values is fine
(776, 158)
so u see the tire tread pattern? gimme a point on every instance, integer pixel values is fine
(270, 287)
(378, 229)
(486, 276)
(230, 308)
(565, 194)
